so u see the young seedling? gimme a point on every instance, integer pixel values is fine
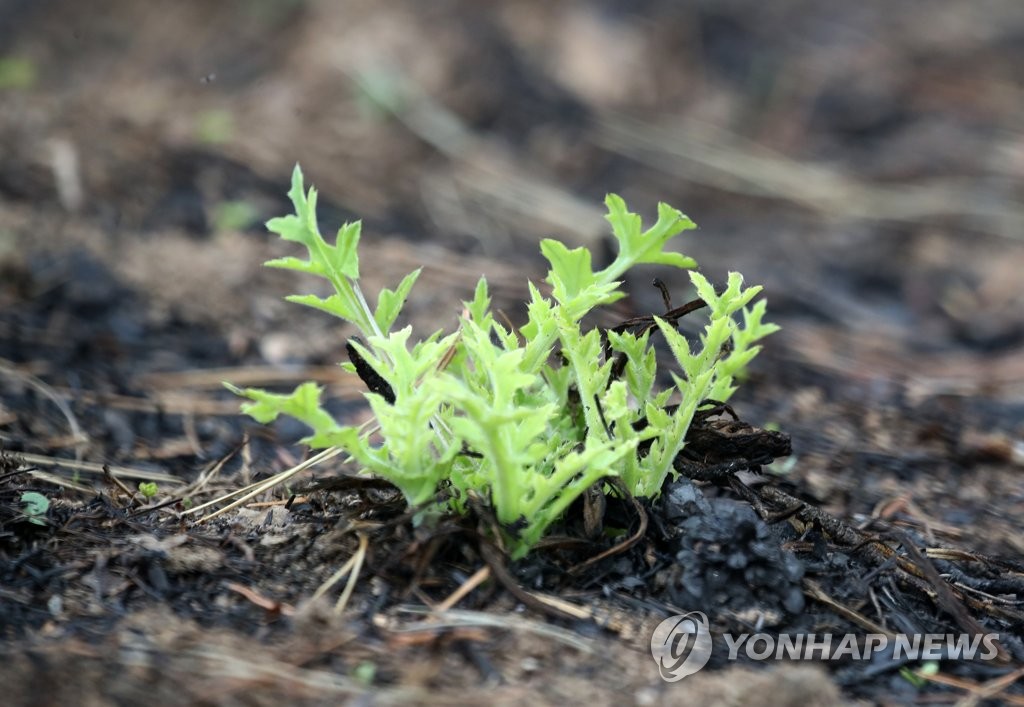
(526, 420)
(35, 506)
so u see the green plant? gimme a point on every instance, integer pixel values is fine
(148, 489)
(526, 420)
(17, 73)
(365, 672)
(36, 505)
(919, 678)
(235, 215)
(215, 126)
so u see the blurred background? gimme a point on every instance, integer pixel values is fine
(864, 161)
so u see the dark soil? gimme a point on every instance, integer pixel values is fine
(863, 162)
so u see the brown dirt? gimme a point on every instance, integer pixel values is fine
(864, 163)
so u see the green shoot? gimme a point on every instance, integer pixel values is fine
(525, 420)
(35, 507)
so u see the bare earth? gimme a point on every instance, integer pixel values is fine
(864, 162)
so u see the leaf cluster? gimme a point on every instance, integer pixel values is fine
(525, 420)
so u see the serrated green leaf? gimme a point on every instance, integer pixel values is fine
(290, 228)
(641, 362)
(625, 224)
(480, 305)
(637, 247)
(390, 302)
(293, 263)
(739, 360)
(688, 361)
(332, 305)
(339, 263)
(570, 269)
(345, 253)
(303, 404)
(753, 325)
(705, 290)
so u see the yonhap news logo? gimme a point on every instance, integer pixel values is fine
(681, 645)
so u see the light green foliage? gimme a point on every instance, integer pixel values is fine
(148, 489)
(215, 127)
(17, 73)
(365, 672)
(518, 419)
(36, 505)
(235, 215)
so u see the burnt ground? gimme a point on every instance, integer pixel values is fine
(863, 162)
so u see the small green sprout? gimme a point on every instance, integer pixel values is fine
(215, 127)
(365, 672)
(17, 73)
(235, 215)
(918, 678)
(35, 507)
(527, 420)
(148, 489)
